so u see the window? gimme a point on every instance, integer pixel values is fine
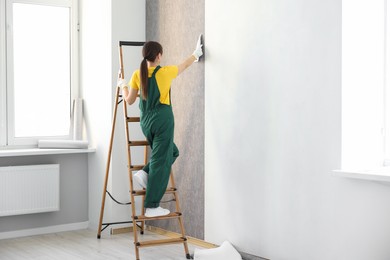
(39, 75)
(365, 84)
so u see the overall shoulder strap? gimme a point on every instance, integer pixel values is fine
(155, 70)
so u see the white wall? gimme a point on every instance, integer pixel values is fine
(273, 136)
(128, 23)
(102, 24)
(95, 82)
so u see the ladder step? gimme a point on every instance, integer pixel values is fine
(137, 167)
(132, 119)
(170, 215)
(138, 143)
(143, 192)
(161, 242)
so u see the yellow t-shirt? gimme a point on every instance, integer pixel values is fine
(164, 77)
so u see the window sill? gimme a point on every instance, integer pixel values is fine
(380, 174)
(38, 151)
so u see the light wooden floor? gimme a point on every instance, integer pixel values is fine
(83, 244)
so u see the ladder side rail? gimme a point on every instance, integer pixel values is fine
(181, 215)
(128, 150)
(108, 162)
(146, 160)
(122, 72)
(130, 172)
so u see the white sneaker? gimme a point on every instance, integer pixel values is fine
(141, 177)
(156, 212)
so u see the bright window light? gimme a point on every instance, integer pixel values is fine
(363, 83)
(41, 72)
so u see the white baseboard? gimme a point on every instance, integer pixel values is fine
(44, 230)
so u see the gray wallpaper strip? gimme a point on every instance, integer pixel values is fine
(177, 25)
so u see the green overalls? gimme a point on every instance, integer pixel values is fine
(157, 124)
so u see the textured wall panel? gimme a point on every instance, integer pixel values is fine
(176, 25)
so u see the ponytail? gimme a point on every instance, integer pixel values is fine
(144, 79)
(150, 51)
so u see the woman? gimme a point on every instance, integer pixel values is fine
(157, 121)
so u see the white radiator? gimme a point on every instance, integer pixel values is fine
(29, 189)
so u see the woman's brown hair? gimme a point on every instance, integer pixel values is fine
(149, 52)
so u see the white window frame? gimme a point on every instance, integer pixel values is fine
(387, 85)
(3, 93)
(7, 138)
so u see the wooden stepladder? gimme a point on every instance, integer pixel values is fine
(138, 220)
